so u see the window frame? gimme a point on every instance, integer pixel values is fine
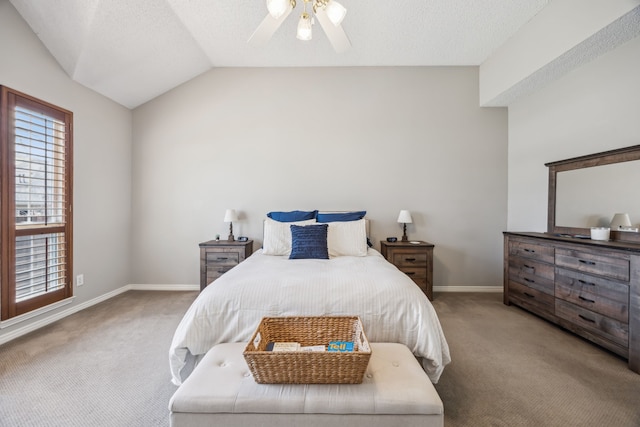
(9, 229)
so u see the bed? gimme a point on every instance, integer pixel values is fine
(353, 279)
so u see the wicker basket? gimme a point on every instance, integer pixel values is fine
(299, 367)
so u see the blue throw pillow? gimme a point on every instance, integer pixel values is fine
(292, 216)
(309, 241)
(341, 216)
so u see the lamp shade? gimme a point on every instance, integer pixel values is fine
(304, 27)
(230, 215)
(405, 217)
(620, 220)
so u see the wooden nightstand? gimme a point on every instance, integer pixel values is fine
(218, 257)
(413, 259)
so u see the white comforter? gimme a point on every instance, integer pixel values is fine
(392, 308)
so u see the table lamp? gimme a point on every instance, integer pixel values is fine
(620, 220)
(230, 216)
(404, 218)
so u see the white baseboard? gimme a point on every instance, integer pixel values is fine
(135, 287)
(467, 289)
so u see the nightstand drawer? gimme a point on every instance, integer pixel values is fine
(414, 273)
(222, 258)
(409, 259)
(214, 273)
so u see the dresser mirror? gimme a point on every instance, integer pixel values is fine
(587, 191)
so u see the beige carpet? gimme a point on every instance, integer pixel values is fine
(108, 366)
(511, 368)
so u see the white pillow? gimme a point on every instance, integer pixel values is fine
(347, 238)
(277, 236)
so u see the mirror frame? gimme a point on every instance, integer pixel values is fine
(598, 159)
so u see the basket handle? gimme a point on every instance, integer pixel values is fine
(255, 341)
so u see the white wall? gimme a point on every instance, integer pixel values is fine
(553, 42)
(102, 160)
(377, 139)
(592, 109)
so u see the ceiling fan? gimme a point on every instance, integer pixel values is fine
(329, 14)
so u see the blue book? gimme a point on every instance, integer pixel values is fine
(340, 346)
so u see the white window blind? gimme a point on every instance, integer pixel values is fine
(39, 168)
(39, 200)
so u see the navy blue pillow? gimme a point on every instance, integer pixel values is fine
(292, 216)
(309, 241)
(341, 216)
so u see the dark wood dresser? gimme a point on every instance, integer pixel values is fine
(219, 256)
(413, 259)
(591, 288)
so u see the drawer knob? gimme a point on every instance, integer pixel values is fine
(582, 261)
(529, 267)
(526, 294)
(526, 279)
(410, 273)
(586, 299)
(529, 250)
(410, 259)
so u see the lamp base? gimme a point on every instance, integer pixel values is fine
(404, 233)
(231, 238)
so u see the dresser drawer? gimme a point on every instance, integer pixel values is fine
(214, 259)
(615, 267)
(532, 273)
(531, 299)
(403, 259)
(531, 250)
(611, 329)
(594, 293)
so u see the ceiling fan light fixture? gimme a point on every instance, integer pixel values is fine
(304, 27)
(277, 8)
(335, 12)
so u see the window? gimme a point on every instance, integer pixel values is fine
(35, 203)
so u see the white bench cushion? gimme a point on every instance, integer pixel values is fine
(394, 383)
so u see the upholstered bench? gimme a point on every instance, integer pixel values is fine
(220, 391)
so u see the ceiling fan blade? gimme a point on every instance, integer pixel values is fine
(335, 33)
(267, 28)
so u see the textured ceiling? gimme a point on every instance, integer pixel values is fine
(134, 50)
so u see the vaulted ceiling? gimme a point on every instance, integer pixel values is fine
(134, 50)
